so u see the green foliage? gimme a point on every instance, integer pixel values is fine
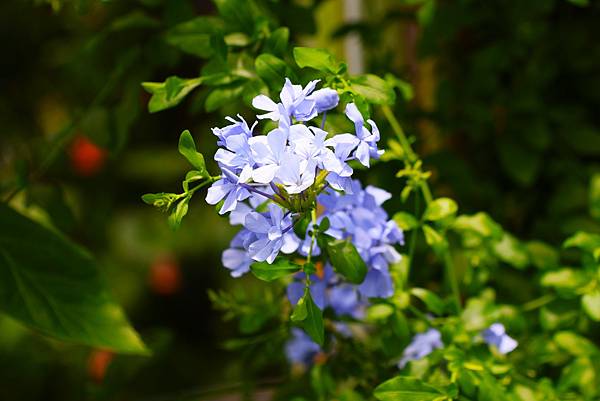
(55, 287)
(319, 59)
(169, 93)
(346, 260)
(408, 388)
(308, 315)
(273, 271)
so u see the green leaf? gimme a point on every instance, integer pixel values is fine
(187, 148)
(346, 260)
(223, 95)
(584, 241)
(591, 305)
(564, 279)
(480, 223)
(406, 221)
(179, 213)
(431, 300)
(575, 344)
(237, 39)
(161, 200)
(374, 89)
(319, 59)
(277, 43)
(440, 208)
(169, 93)
(435, 240)
(308, 315)
(55, 287)
(271, 69)
(542, 255)
(512, 251)
(270, 272)
(404, 87)
(238, 14)
(194, 36)
(402, 388)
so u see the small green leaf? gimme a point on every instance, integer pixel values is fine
(346, 260)
(55, 287)
(404, 87)
(440, 208)
(512, 251)
(187, 148)
(575, 344)
(238, 14)
(432, 301)
(277, 43)
(319, 59)
(270, 272)
(435, 240)
(194, 36)
(169, 93)
(564, 279)
(325, 224)
(584, 241)
(237, 39)
(223, 95)
(179, 213)
(480, 223)
(161, 200)
(308, 315)
(403, 388)
(379, 312)
(591, 305)
(271, 69)
(406, 221)
(373, 89)
(542, 255)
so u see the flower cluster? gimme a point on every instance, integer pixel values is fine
(359, 217)
(267, 181)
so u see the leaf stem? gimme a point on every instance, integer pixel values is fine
(538, 302)
(409, 158)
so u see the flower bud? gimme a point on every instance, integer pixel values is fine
(325, 99)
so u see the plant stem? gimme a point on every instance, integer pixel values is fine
(538, 302)
(409, 158)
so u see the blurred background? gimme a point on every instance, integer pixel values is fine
(504, 107)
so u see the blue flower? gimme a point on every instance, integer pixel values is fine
(236, 128)
(496, 336)
(236, 258)
(367, 146)
(294, 100)
(325, 99)
(227, 188)
(300, 349)
(421, 345)
(269, 151)
(270, 233)
(296, 174)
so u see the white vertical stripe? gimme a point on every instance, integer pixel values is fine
(353, 46)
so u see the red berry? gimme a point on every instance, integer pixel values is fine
(98, 364)
(165, 276)
(87, 158)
